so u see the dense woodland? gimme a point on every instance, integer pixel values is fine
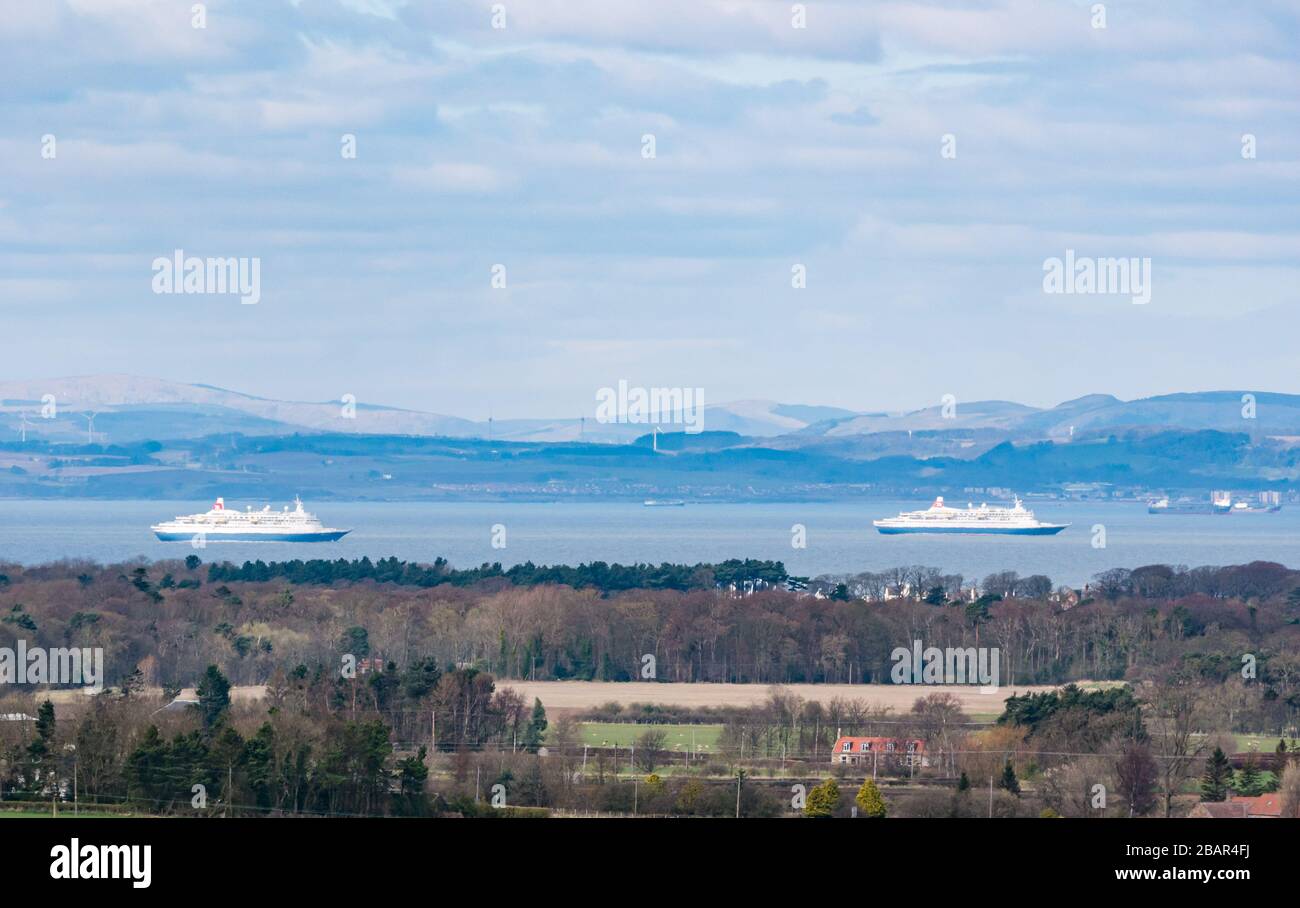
(171, 620)
(1205, 653)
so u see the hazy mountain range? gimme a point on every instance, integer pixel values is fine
(161, 439)
(131, 408)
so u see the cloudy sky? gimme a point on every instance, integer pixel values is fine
(774, 146)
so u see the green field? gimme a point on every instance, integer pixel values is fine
(1264, 744)
(680, 738)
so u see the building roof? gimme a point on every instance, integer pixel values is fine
(1219, 810)
(1265, 805)
(877, 744)
(1239, 807)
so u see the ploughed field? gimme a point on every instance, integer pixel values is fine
(584, 695)
(578, 696)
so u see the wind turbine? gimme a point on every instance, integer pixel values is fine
(23, 424)
(89, 416)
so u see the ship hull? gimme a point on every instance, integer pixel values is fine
(241, 536)
(1047, 530)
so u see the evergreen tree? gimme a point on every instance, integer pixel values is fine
(414, 772)
(41, 750)
(869, 801)
(1214, 784)
(259, 758)
(1250, 780)
(536, 731)
(1009, 780)
(214, 696)
(823, 799)
(45, 722)
(146, 769)
(963, 783)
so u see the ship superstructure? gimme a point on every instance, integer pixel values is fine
(222, 524)
(939, 518)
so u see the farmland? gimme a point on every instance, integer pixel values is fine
(583, 695)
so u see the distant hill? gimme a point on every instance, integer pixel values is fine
(130, 408)
(1222, 411)
(134, 408)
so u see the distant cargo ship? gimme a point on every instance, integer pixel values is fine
(1245, 507)
(1165, 506)
(220, 524)
(1220, 503)
(664, 503)
(938, 518)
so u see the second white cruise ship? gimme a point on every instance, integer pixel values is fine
(938, 518)
(219, 524)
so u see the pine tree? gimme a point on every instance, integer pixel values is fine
(536, 730)
(1214, 784)
(45, 722)
(963, 783)
(823, 799)
(214, 696)
(1009, 780)
(869, 801)
(1249, 780)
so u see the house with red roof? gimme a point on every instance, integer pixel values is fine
(1240, 807)
(880, 752)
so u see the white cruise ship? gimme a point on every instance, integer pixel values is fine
(220, 524)
(938, 518)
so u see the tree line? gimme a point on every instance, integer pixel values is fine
(596, 575)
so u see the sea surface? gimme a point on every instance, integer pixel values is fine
(840, 538)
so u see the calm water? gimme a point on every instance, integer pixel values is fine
(840, 536)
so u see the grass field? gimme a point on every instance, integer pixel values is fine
(680, 738)
(1264, 744)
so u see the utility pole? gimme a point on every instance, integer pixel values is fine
(740, 777)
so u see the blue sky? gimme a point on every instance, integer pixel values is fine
(775, 146)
